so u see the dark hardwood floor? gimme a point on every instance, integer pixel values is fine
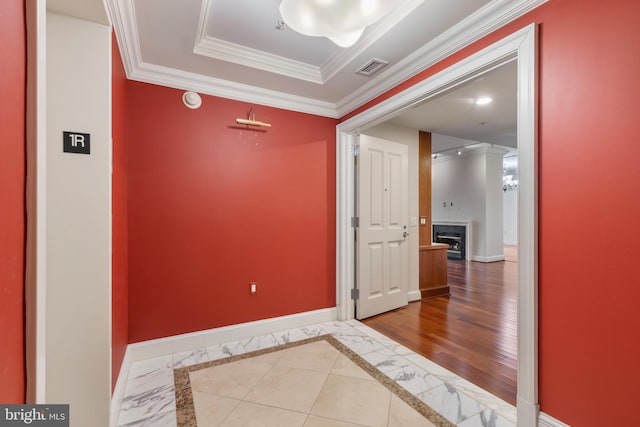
(472, 332)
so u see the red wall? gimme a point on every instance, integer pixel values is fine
(589, 157)
(12, 200)
(213, 206)
(120, 300)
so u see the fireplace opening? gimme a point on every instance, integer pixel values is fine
(455, 237)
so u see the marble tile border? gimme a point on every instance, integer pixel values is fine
(185, 412)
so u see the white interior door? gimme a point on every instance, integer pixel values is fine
(383, 209)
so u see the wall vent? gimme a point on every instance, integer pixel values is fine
(372, 67)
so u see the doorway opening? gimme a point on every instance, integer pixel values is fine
(467, 326)
(520, 46)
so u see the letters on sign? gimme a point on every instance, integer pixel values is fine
(76, 142)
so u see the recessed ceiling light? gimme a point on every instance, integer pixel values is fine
(483, 100)
(459, 153)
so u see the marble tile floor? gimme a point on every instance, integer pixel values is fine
(150, 395)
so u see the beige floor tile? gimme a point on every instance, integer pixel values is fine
(211, 410)
(233, 380)
(288, 388)
(269, 358)
(354, 400)
(317, 356)
(249, 414)
(316, 421)
(345, 367)
(403, 415)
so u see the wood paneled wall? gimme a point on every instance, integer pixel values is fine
(424, 187)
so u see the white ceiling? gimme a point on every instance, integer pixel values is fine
(224, 33)
(231, 48)
(455, 113)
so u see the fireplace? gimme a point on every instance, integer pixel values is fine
(455, 237)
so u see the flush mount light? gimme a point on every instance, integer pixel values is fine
(340, 21)
(191, 100)
(484, 100)
(459, 153)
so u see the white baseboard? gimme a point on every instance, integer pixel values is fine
(184, 342)
(510, 243)
(119, 389)
(545, 420)
(414, 295)
(488, 259)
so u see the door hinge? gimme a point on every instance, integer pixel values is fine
(355, 150)
(355, 221)
(355, 294)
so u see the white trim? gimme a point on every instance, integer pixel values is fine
(254, 58)
(520, 45)
(510, 243)
(415, 295)
(36, 200)
(345, 210)
(110, 220)
(546, 420)
(119, 389)
(171, 77)
(125, 25)
(481, 23)
(487, 259)
(243, 55)
(184, 342)
(527, 399)
(123, 16)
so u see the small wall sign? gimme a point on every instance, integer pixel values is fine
(76, 142)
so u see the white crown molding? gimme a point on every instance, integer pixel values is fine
(474, 27)
(170, 77)
(477, 25)
(254, 58)
(122, 14)
(243, 55)
(123, 19)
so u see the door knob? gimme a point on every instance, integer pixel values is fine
(405, 234)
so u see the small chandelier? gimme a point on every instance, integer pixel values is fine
(341, 21)
(508, 183)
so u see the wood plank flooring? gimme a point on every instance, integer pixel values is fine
(472, 332)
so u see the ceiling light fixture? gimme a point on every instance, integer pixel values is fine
(459, 153)
(484, 100)
(341, 21)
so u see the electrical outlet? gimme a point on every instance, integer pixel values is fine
(253, 287)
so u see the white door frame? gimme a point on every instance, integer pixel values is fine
(520, 46)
